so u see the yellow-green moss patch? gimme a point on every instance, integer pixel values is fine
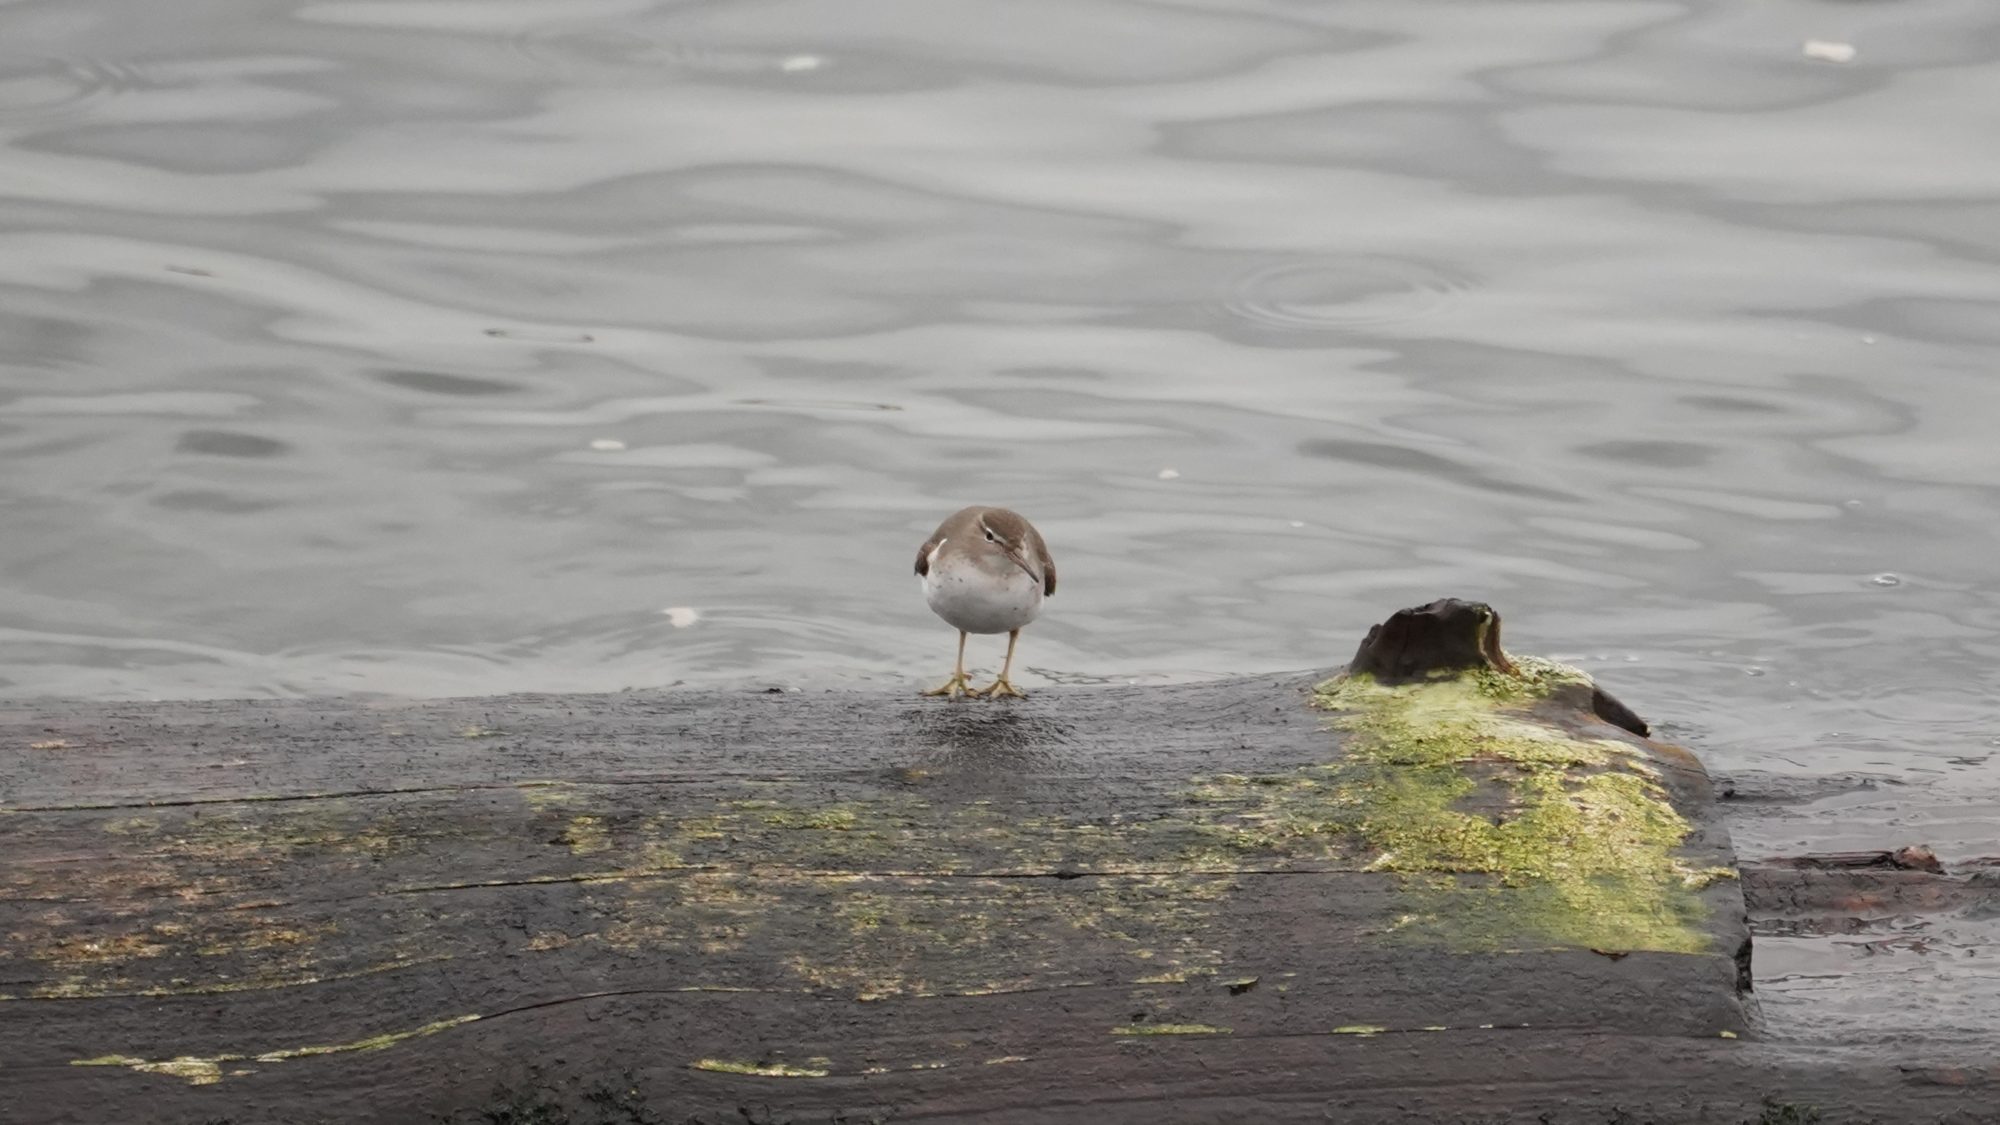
(197, 1072)
(838, 819)
(1575, 837)
(586, 835)
(1498, 831)
(761, 1070)
(1169, 1029)
(204, 1071)
(372, 1043)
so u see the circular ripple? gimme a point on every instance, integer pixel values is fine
(37, 86)
(1341, 294)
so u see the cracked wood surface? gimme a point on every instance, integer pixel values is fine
(844, 903)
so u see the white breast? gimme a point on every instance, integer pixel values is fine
(977, 600)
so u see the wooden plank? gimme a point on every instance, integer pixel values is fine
(1144, 904)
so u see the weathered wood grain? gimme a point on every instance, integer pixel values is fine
(1106, 904)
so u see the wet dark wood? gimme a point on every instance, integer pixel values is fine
(1829, 893)
(1911, 858)
(1453, 634)
(896, 908)
(1445, 635)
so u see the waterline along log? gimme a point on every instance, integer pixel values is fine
(1446, 884)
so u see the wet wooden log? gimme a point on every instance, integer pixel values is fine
(1424, 891)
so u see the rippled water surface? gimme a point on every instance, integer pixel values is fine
(425, 347)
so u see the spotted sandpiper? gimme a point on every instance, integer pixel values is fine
(985, 570)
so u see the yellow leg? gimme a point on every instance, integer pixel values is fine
(1004, 686)
(958, 684)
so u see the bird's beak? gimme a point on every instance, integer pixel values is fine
(1021, 562)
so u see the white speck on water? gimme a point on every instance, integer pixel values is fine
(607, 445)
(1169, 474)
(1298, 523)
(681, 616)
(1753, 671)
(1631, 658)
(1826, 50)
(799, 63)
(1886, 580)
(1850, 503)
(1867, 339)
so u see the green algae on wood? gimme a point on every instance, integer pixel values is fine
(1583, 813)
(197, 1071)
(586, 835)
(205, 1071)
(737, 876)
(1584, 848)
(1141, 1029)
(1495, 827)
(761, 1070)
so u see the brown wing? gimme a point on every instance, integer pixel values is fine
(924, 554)
(1041, 551)
(958, 523)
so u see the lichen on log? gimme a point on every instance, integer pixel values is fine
(807, 890)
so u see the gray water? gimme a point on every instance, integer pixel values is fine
(449, 347)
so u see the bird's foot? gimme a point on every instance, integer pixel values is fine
(959, 684)
(999, 688)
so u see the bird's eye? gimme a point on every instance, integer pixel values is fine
(989, 534)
